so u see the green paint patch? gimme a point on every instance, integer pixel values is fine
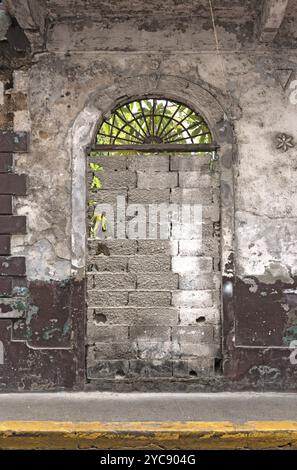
(28, 332)
(20, 306)
(291, 335)
(48, 334)
(66, 327)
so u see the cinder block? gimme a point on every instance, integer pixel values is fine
(207, 246)
(136, 316)
(204, 246)
(191, 196)
(144, 263)
(194, 179)
(194, 316)
(150, 333)
(149, 299)
(216, 295)
(192, 298)
(192, 368)
(114, 350)
(148, 162)
(190, 349)
(105, 196)
(192, 281)
(117, 369)
(183, 264)
(112, 247)
(107, 263)
(149, 247)
(112, 281)
(99, 298)
(190, 247)
(156, 180)
(100, 332)
(117, 179)
(158, 231)
(110, 162)
(155, 350)
(193, 334)
(161, 281)
(217, 333)
(212, 212)
(136, 230)
(147, 196)
(187, 231)
(190, 163)
(152, 368)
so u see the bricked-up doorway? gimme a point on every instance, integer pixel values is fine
(153, 292)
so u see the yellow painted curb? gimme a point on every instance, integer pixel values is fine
(148, 435)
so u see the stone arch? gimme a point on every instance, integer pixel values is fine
(199, 97)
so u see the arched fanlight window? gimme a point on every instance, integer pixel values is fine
(154, 123)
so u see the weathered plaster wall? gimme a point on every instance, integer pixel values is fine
(60, 86)
(87, 65)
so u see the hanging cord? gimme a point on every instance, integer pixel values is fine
(219, 54)
(215, 156)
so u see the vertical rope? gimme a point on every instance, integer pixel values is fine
(218, 46)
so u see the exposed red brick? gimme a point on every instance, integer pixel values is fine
(5, 162)
(19, 101)
(13, 184)
(13, 141)
(5, 286)
(12, 266)
(12, 224)
(5, 204)
(4, 244)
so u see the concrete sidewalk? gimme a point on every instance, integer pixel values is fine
(153, 420)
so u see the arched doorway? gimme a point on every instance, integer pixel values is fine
(153, 267)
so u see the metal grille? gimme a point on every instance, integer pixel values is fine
(154, 124)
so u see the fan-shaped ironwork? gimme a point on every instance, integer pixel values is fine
(153, 121)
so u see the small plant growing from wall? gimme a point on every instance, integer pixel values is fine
(96, 220)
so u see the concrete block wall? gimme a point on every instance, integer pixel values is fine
(154, 304)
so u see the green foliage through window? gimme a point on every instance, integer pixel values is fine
(153, 121)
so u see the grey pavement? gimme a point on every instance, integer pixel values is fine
(106, 407)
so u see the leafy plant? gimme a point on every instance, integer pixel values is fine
(96, 183)
(98, 220)
(95, 166)
(95, 219)
(153, 120)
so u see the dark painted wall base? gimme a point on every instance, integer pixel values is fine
(44, 349)
(200, 384)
